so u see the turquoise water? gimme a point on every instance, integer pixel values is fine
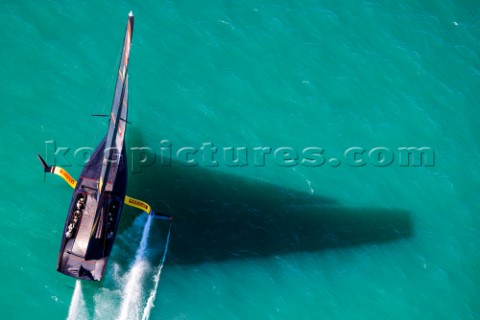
(272, 240)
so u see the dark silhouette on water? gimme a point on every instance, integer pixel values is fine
(220, 217)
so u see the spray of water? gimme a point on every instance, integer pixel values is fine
(132, 292)
(77, 308)
(131, 303)
(156, 280)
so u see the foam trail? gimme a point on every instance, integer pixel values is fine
(77, 305)
(156, 279)
(130, 307)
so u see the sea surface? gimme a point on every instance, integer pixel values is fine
(275, 133)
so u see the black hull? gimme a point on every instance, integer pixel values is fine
(97, 202)
(91, 224)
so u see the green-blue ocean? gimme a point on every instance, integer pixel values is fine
(320, 158)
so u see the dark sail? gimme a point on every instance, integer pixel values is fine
(98, 199)
(118, 116)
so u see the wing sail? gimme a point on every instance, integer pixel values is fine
(118, 116)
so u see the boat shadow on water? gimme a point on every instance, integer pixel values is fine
(220, 217)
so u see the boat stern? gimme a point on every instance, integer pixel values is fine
(80, 268)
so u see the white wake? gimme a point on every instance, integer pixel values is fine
(156, 280)
(77, 308)
(132, 298)
(132, 290)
